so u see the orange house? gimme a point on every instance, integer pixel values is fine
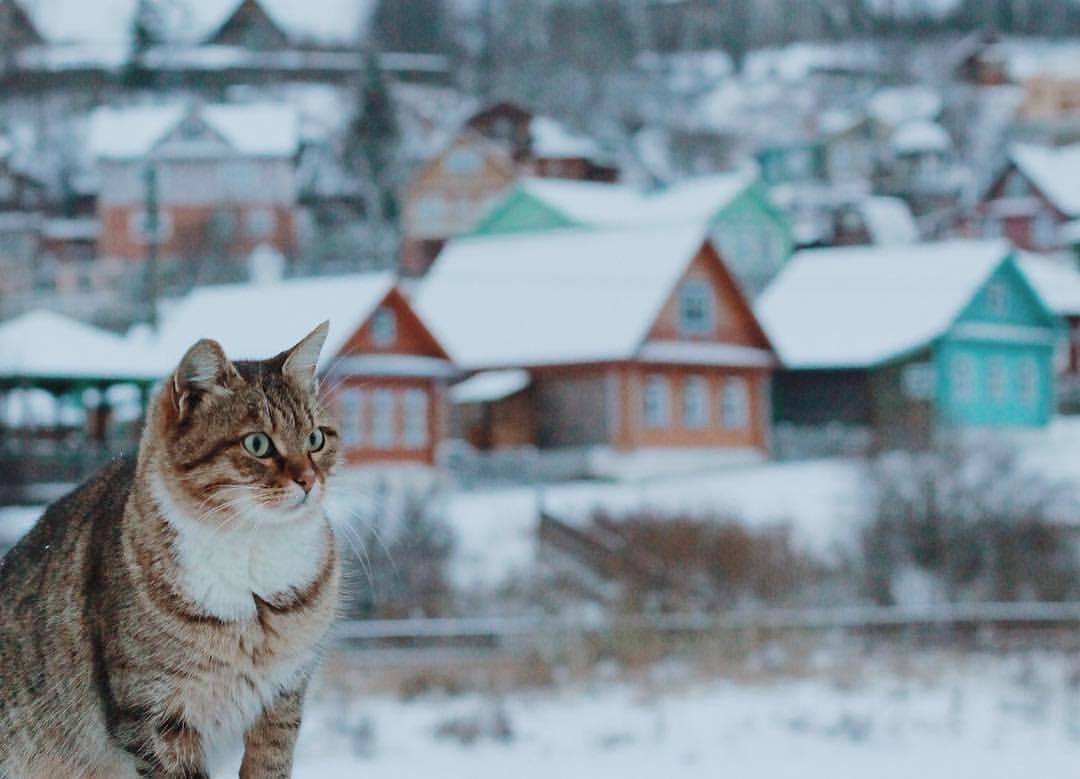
(381, 368)
(630, 340)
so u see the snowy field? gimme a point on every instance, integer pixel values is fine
(929, 716)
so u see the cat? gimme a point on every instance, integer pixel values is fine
(178, 600)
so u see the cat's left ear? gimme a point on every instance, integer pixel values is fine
(302, 360)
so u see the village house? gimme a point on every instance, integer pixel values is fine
(618, 342)
(868, 344)
(382, 369)
(496, 146)
(748, 229)
(1057, 279)
(219, 180)
(1035, 200)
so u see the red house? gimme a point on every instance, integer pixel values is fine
(383, 369)
(625, 340)
(1035, 200)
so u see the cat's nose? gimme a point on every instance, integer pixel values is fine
(305, 477)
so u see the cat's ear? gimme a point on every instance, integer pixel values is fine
(302, 360)
(204, 369)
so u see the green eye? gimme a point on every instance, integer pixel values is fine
(258, 445)
(315, 440)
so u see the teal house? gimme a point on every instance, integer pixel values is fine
(909, 341)
(752, 233)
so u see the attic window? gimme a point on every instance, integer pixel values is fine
(695, 308)
(190, 129)
(463, 162)
(997, 298)
(384, 327)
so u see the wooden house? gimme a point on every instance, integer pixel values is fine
(450, 194)
(383, 369)
(223, 178)
(1057, 280)
(906, 341)
(748, 229)
(1035, 201)
(624, 340)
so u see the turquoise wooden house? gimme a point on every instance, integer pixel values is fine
(752, 233)
(908, 341)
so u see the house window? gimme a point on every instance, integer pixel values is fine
(464, 162)
(963, 378)
(351, 411)
(1029, 381)
(997, 298)
(992, 228)
(695, 307)
(140, 229)
(735, 403)
(1043, 230)
(695, 403)
(384, 327)
(261, 223)
(657, 402)
(998, 379)
(382, 419)
(416, 419)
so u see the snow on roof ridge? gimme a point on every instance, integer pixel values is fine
(860, 306)
(554, 297)
(1054, 170)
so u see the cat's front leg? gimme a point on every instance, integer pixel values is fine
(269, 743)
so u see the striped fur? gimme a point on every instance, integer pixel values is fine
(177, 601)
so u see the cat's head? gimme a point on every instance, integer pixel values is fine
(244, 442)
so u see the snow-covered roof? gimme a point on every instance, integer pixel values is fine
(609, 205)
(557, 297)
(259, 129)
(888, 220)
(46, 345)
(860, 306)
(920, 135)
(1056, 279)
(324, 22)
(256, 321)
(892, 106)
(552, 139)
(1055, 171)
(488, 386)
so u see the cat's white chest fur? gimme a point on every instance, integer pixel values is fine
(221, 569)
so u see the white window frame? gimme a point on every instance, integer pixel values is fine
(656, 402)
(383, 418)
(416, 408)
(963, 374)
(695, 403)
(384, 326)
(735, 403)
(693, 294)
(997, 379)
(351, 412)
(1044, 230)
(1030, 381)
(997, 297)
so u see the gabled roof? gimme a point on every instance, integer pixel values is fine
(256, 321)
(1055, 279)
(610, 205)
(556, 297)
(255, 129)
(1054, 171)
(46, 345)
(327, 22)
(861, 306)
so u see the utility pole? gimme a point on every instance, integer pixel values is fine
(151, 228)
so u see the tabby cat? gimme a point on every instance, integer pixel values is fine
(176, 602)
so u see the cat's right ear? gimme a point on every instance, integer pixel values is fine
(204, 369)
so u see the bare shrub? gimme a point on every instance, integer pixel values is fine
(970, 519)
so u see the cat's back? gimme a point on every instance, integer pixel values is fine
(71, 529)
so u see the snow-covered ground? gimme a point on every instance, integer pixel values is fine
(928, 716)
